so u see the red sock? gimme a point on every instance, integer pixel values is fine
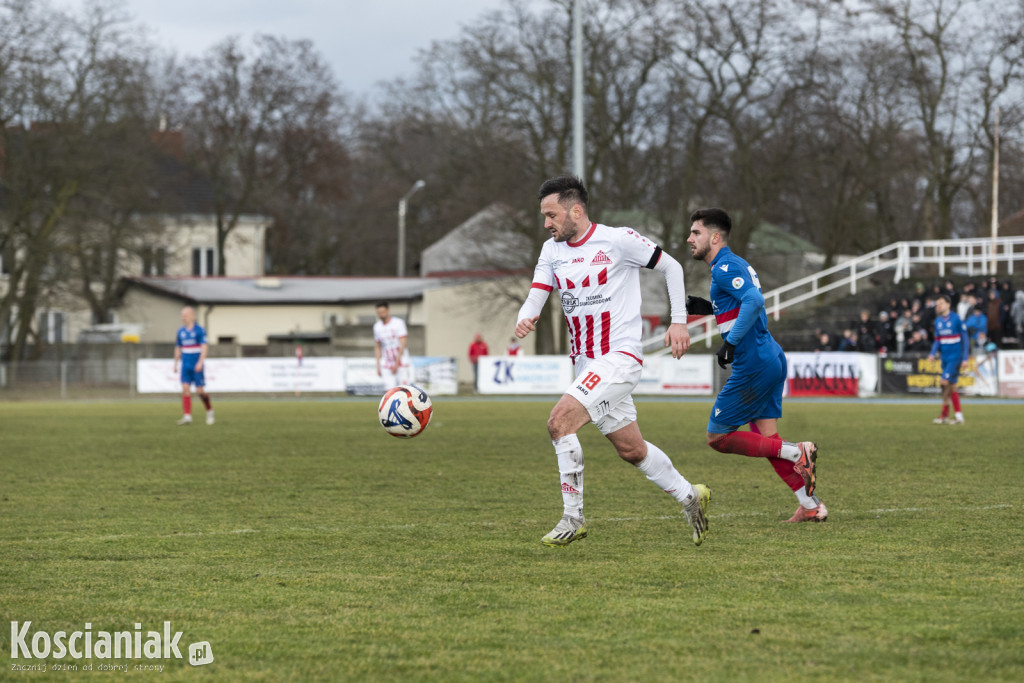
(749, 444)
(955, 397)
(206, 400)
(945, 410)
(186, 404)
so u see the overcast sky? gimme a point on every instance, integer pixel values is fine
(365, 41)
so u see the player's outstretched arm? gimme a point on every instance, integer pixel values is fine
(526, 326)
(529, 314)
(678, 338)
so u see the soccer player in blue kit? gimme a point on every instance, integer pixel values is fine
(190, 351)
(951, 345)
(753, 392)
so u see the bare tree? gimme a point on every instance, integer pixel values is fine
(245, 102)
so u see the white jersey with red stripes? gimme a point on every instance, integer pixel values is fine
(389, 335)
(598, 280)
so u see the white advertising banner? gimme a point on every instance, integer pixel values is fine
(290, 375)
(688, 376)
(834, 373)
(436, 376)
(224, 375)
(523, 374)
(1011, 373)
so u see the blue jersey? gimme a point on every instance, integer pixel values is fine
(734, 286)
(190, 341)
(950, 338)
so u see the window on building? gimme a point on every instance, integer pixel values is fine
(52, 326)
(204, 262)
(154, 261)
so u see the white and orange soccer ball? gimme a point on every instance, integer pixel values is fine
(404, 411)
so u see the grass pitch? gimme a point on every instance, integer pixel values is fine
(304, 543)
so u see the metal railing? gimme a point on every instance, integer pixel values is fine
(981, 256)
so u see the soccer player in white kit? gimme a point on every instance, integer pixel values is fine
(389, 338)
(596, 270)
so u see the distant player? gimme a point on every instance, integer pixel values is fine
(389, 339)
(951, 345)
(753, 393)
(596, 270)
(190, 351)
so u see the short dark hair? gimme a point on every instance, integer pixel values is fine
(944, 297)
(384, 304)
(569, 188)
(713, 218)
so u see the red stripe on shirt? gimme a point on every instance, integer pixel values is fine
(590, 336)
(602, 277)
(577, 334)
(538, 285)
(727, 316)
(606, 332)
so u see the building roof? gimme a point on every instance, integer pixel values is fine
(284, 290)
(489, 243)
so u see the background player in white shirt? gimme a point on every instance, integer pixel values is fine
(389, 338)
(596, 270)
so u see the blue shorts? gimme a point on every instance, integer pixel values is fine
(748, 396)
(189, 375)
(951, 370)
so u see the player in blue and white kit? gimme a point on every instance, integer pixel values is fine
(951, 346)
(753, 393)
(190, 351)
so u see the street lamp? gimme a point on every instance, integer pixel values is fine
(401, 224)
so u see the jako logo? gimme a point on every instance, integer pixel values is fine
(101, 645)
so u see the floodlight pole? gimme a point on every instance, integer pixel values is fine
(402, 203)
(577, 90)
(995, 193)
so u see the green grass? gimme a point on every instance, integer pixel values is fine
(303, 543)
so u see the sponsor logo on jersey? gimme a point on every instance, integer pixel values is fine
(737, 282)
(724, 267)
(601, 259)
(717, 411)
(581, 259)
(569, 302)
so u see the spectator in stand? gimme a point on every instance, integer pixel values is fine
(476, 349)
(849, 341)
(994, 313)
(824, 342)
(950, 291)
(976, 322)
(967, 303)
(514, 349)
(919, 294)
(867, 334)
(886, 334)
(903, 329)
(919, 342)
(1017, 316)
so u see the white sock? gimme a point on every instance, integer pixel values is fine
(959, 415)
(809, 502)
(789, 451)
(659, 469)
(570, 472)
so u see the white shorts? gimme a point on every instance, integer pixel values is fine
(604, 386)
(392, 379)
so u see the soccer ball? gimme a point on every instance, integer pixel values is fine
(404, 411)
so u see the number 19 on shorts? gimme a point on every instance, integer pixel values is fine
(589, 383)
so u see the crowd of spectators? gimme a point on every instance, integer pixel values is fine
(992, 311)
